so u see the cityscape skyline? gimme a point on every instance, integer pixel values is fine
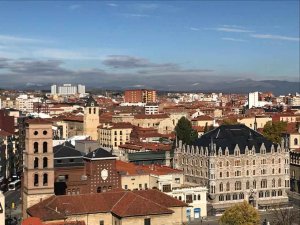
(101, 43)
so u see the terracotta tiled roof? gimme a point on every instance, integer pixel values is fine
(74, 118)
(128, 168)
(32, 221)
(202, 118)
(121, 203)
(38, 121)
(4, 133)
(153, 116)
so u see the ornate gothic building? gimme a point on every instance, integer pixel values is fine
(236, 163)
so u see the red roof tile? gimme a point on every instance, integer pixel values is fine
(121, 203)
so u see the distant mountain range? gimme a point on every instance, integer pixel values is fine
(188, 84)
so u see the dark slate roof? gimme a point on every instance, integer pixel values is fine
(99, 153)
(91, 102)
(232, 135)
(66, 150)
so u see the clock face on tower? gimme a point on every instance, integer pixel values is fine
(104, 174)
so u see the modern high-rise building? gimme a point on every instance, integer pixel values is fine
(140, 95)
(81, 89)
(67, 89)
(253, 99)
(53, 89)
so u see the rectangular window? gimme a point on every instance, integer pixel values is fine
(167, 188)
(189, 198)
(147, 221)
(101, 222)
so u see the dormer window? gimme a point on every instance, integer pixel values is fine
(92, 104)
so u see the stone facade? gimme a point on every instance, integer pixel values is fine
(295, 171)
(233, 174)
(91, 119)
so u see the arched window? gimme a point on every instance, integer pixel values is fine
(234, 197)
(45, 179)
(45, 147)
(228, 197)
(104, 189)
(280, 193)
(254, 184)
(45, 162)
(241, 196)
(273, 193)
(267, 194)
(36, 147)
(261, 194)
(238, 185)
(227, 186)
(221, 186)
(221, 198)
(227, 163)
(296, 141)
(36, 180)
(36, 162)
(279, 182)
(273, 183)
(247, 184)
(98, 189)
(199, 197)
(227, 174)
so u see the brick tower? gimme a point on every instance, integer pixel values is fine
(38, 173)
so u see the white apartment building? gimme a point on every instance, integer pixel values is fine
(67, 89)
(151, 109)
(24, 103)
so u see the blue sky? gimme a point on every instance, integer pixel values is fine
(240, 39)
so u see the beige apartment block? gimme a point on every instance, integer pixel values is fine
(203, 121)
(258, 121)
(114, 134)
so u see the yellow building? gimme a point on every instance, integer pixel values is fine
(114, 134)
(258, 121)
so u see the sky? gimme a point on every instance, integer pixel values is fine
(99, 42)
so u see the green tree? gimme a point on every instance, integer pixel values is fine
(185, 132)
(273, 130)
(240, 214)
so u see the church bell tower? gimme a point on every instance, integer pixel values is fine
(38, 173)
(91, 118)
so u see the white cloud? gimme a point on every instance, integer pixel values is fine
(230, 29)
(15, 39)
(112, 4)
(233, 39)
(194, 28)
(134, 15)
(274, 37)
(74, 7)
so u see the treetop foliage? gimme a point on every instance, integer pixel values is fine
(185, 132)
(240, 214)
